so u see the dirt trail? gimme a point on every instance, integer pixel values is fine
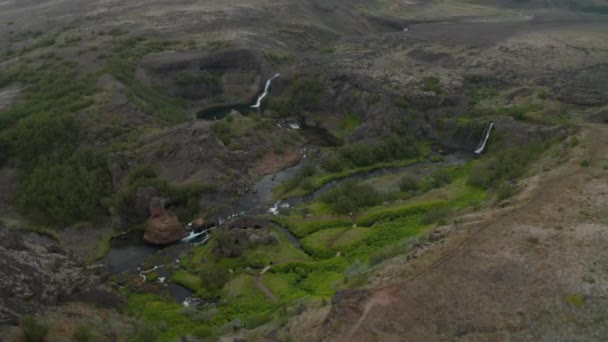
(535, 271)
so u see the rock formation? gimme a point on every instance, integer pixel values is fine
(163, 227)
(25, 266)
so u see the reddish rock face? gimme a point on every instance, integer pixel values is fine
(163, 227)
(163, 230)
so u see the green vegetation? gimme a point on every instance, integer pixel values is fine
(432, 83)
(402, 102)
(350, 197)
(185, 197)
(517, 112)
(577, 300)
(303, 94)
(507, 165)
(409, 183)
(83, 333)
(126, 53)
(340, 252)
(277, 57)
(33, 331)
(61, 193)
(348, 125)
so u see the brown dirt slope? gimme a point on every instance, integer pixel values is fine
(535, 271)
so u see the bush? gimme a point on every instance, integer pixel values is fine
(334, 164)
(82, 333)
(392, 148)
(390, 252)
(213, 277)
(145, 333)
(202, 331)
(33, 331)
(350, 197)
(141, 172)
(436, 215)
(222, 130)
(438, 179)
(63, 193)
(432, 83)
(409, 183)
(185, 198)
(506, 191)
(507, 165)
(402, 102)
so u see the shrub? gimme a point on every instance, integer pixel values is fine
(82, 333)
(202, 331)
(506, 191)
(213, 277)
(507, 165)
(350, 197)
(33, 331)
(436, 215)
(335, 163)
(390, 252)
(402, 102)
(145, 333)
(542, 94)
(432, 83)
(438, 179)
(222, 130)
(141, 172)
(368, 153)
(63, 193)
(409, 183)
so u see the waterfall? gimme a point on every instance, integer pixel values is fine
(258, 104)
(486, 135)
(193, 236)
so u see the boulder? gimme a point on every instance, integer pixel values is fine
(164, 230)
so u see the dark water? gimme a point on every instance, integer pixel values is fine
(179, 293)
(128, 252)
(220, 112)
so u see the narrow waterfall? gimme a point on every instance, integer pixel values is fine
(258, 104)
(486, 135)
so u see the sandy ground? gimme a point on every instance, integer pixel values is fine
(535, 271)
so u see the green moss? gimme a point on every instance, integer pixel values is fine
(350, 237)
(187, 280)
(432, 83)
(317, 243)
(577, 300)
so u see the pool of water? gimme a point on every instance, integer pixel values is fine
(127, 252)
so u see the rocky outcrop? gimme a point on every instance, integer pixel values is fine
(234, 75)
(36, 277)
(163, 227)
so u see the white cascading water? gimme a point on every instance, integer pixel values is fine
(486, 136)
(192, 236)
(258, 104)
